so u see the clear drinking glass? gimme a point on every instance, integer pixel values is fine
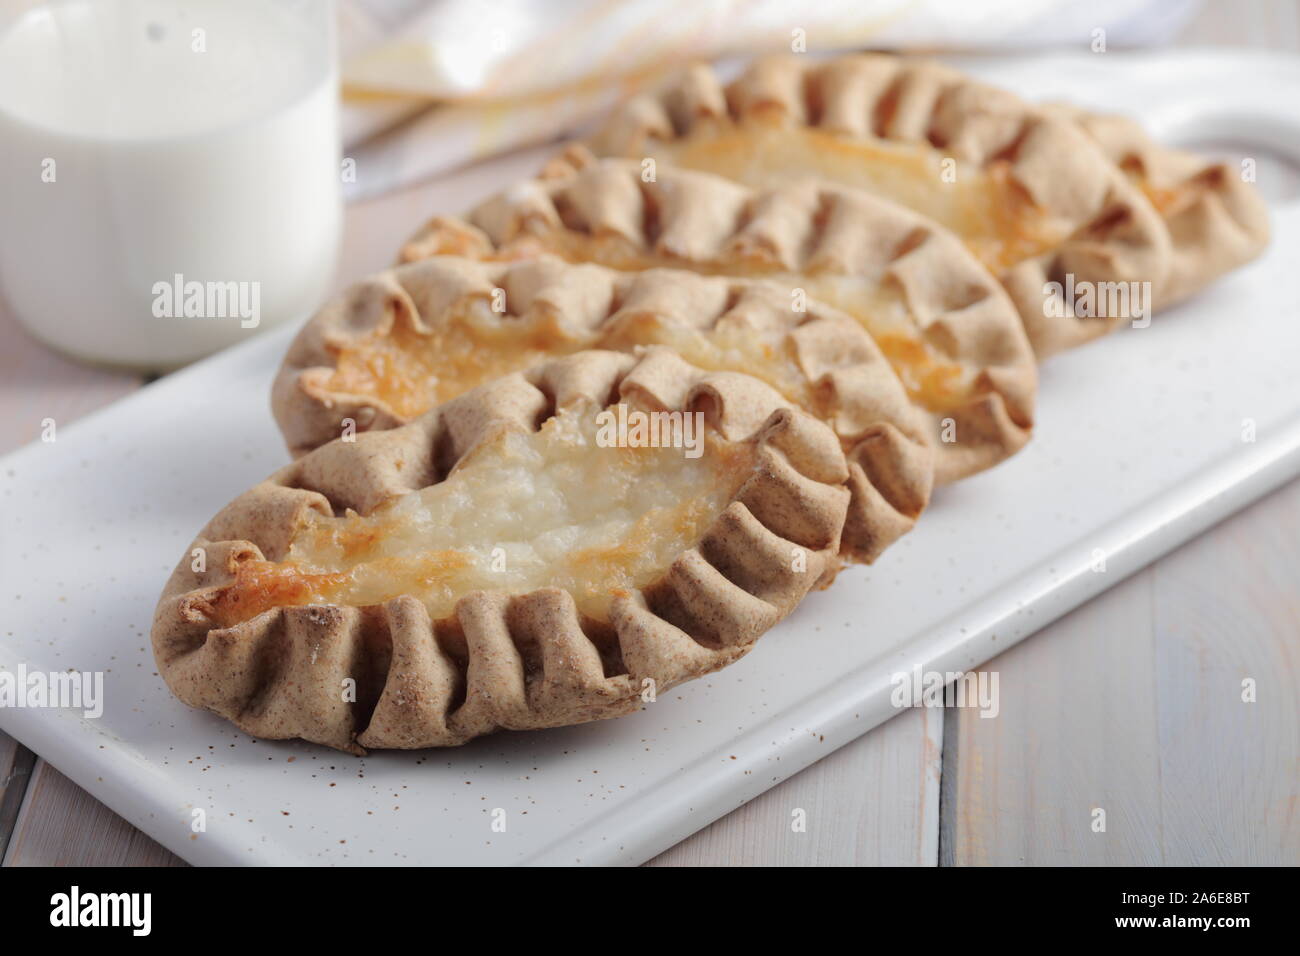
(169, 176)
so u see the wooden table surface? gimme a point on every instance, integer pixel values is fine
(1155, 731)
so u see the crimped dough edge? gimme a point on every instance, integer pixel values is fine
(1118, 237)
(1216, 220)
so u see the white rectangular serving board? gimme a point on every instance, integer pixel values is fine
(1139, 447)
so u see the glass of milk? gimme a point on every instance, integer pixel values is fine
(169, 172)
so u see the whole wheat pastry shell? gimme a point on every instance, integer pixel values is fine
(705, 223)
(504, 661)
(890, 454)
(1116, 234)
(1216, 220)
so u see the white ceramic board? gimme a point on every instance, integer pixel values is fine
(1139, 447)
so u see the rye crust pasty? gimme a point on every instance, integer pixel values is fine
(1217, 221)
(945, 324)
(1029, 192)
(400, 342)
(508, 560)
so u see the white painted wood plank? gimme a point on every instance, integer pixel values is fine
(1133, 704)
(62, 825)
(873, 802)
(1075, 731)
(1227, 610)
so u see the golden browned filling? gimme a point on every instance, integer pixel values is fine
(552, 508)
(412, 372)
(985, 207)
(937, 386)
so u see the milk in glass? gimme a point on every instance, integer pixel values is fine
(169, 172)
